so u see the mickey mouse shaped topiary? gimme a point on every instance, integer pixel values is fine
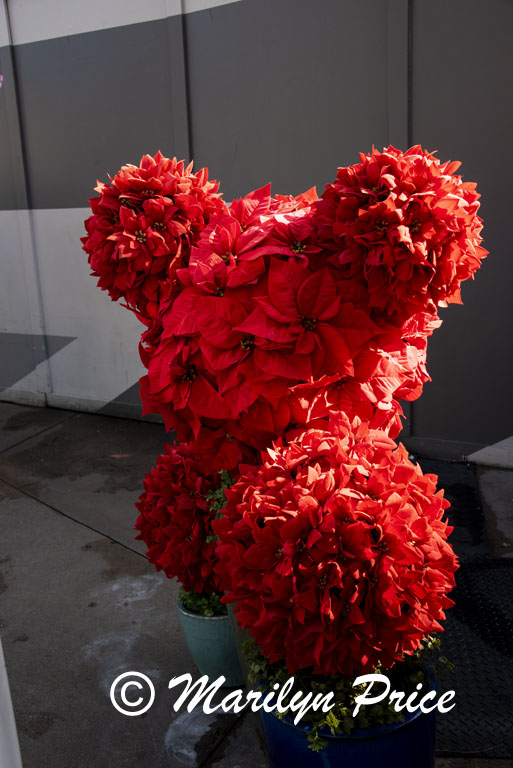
(280, 335)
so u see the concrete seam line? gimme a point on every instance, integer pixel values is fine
(70, 517)
(41, 432)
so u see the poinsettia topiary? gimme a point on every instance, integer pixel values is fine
(281, 334)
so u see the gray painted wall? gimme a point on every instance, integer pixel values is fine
(280, 91)
(257, 90)
(462, 106)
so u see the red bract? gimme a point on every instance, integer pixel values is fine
(143, 225)
(335, 551)
(175, 520)
(405, 226)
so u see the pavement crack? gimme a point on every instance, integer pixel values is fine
(22, 490)
(41, 432)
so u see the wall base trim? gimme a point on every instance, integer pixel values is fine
(83, 404)
(438, 448)
(22, 396)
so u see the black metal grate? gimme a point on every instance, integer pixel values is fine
(478, 635)
(479, 640)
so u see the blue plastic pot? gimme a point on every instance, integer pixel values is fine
(211, 645)
(400, 745)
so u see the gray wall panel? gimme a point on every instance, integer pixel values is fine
(286, 91)
(93, 102)
(462, 106)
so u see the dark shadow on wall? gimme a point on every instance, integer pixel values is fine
(21, 353)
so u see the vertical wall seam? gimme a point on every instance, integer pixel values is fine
(188, 109)
(28, 197)
(410, 73)
(413, 431)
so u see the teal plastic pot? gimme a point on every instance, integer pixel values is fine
(240, 636)
(212, 646)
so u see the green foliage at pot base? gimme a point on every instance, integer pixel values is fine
(203, 605)
(422, 667)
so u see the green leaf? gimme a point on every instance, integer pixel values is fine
(203, 605)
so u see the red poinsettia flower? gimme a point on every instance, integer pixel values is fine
(175, 520)
(178, 377)
(218, 448)
(302, 328)
(293, 235)
(334, 551)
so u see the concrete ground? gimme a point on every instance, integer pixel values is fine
(80, 604)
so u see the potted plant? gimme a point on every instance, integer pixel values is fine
(176, 510)
(334, 551)
(379, 735)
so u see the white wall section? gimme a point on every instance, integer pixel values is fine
(20, 314)
(103, 361)
(4, 30)
(61, 18)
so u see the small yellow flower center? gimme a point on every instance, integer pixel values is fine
(248, 342)
(128, 203)
(190, 374)
(308, 323)
(140, 236)
(298, 247)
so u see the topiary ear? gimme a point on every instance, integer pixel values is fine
(404, 226)
(144, 223)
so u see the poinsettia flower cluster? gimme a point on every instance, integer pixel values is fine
(334, 551)
(143, 224)
(175, 520)
(405, 227)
